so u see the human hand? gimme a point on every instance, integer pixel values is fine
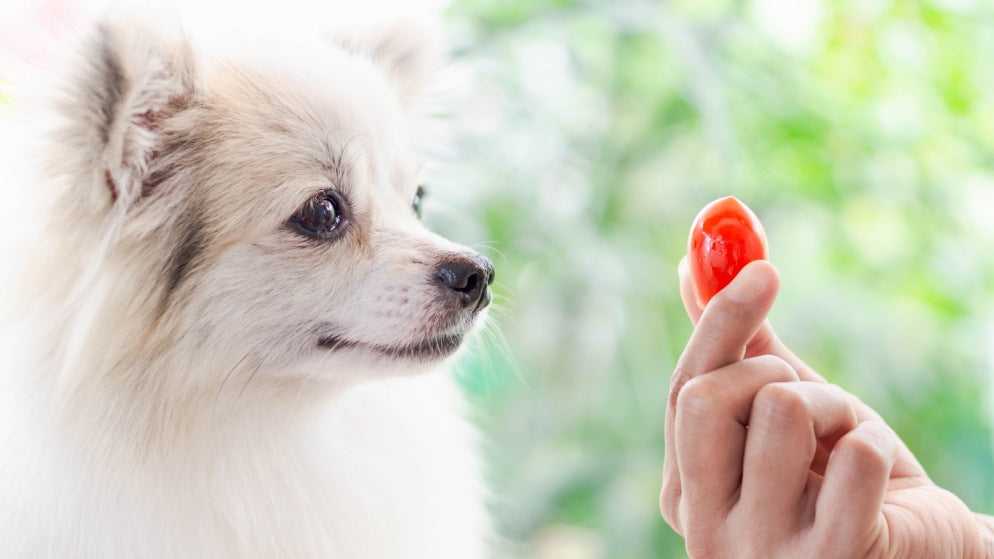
(765, 459)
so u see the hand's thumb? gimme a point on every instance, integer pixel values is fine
(765, 342)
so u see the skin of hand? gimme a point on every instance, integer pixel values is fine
(765, 459)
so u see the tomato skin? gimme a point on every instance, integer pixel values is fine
(725, 236)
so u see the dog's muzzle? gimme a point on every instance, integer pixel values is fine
(463, 281)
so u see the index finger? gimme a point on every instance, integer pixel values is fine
(725, 327)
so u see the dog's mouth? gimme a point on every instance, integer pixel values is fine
(431, 349)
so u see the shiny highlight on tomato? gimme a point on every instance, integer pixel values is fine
(725, 236)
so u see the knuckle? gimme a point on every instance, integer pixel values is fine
(835, 392)
(780, 402)
(841, 397)
(838, 395)
(699, 397)
(777, 366)
(864, 451)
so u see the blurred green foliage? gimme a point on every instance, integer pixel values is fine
(590, 134)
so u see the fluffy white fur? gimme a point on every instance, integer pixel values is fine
(164, 390)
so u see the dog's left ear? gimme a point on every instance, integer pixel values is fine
(408, 50)
(135, 78)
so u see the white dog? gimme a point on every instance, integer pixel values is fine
(224, 340)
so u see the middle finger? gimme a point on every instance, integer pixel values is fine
(710, 434)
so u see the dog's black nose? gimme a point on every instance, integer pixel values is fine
(467, 278)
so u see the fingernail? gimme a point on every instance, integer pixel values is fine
(745, 286)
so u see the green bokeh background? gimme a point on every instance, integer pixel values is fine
(591, 133)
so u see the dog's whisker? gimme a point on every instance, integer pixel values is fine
(220, 387)
(244, 386)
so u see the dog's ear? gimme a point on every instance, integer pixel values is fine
(131, 82)
(406, 49)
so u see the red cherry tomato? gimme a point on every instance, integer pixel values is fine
(726, 236)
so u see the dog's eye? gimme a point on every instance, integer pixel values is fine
(419, 197)
(322, 217)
